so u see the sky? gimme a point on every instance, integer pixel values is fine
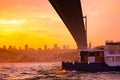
(35, 22)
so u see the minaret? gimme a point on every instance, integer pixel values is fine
(89, 46)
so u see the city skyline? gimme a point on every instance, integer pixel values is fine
(26, 46)
(35, 22)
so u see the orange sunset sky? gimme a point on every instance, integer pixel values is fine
(35, 22)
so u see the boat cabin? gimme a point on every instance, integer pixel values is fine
(112, 53)
(92, 56)
(112, 59)
(98, 56)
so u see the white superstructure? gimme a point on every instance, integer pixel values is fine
(112, 59)
(112, 53)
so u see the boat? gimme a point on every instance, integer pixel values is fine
(96, 60)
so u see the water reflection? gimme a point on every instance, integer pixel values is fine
(49, 71)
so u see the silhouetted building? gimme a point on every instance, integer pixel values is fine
(45, 47)
(20, 48)
(4, 47)
(26, 47)
(64, 47)
(55, 46)
(14, 48)
(10, 47)
(67, 47)
(39, 50)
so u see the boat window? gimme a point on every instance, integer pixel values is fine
(101, 53)
(86, 54)
(97, 54)
(117, 58)
(92, 54)
(82, 53)
(110, 58)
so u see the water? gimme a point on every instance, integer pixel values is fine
(49, 71)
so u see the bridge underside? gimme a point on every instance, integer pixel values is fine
(70, 12)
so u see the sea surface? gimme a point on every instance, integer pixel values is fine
(49, 71)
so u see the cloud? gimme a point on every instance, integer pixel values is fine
(12, 22)
(50, 17)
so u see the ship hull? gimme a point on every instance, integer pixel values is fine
(85, 67)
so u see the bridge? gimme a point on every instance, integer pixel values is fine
(70, 11)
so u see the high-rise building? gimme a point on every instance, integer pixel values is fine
(26, 46)
(45, 47)
(10, 47)
(14, 48)
(20, 48)
(64, 47)
(67, 47)
(55, 46)
(4, 47)
(39, 49)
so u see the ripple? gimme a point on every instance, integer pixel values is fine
(49, 71)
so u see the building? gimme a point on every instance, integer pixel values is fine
(113, 47)
(4, 47)
(26, 47)
(45, 47)
(10, 47)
